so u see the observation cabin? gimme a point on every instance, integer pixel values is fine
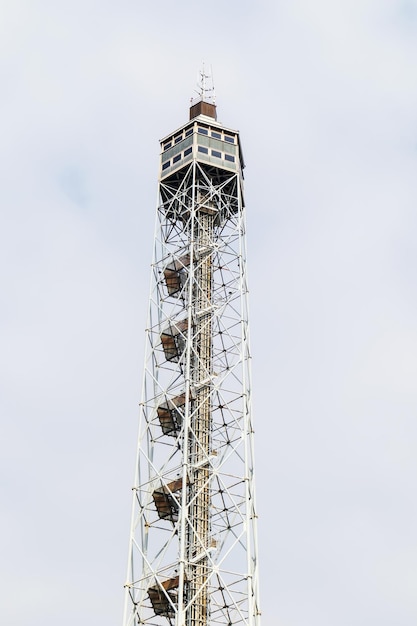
(203, 139)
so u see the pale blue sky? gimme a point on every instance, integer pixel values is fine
(325, 96)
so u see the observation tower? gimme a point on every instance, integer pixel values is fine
(193, 557)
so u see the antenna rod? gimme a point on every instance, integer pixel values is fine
(205, 93)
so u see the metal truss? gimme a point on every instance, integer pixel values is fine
(193, 547)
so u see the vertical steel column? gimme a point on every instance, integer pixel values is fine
(200, 436)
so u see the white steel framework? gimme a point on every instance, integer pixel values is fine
(193, 546)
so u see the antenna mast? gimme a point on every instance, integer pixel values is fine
(205, 87)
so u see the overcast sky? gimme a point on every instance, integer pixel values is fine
(324, 94)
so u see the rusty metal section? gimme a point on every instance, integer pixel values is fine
(173, 339)
(175, 275)
(170, 414)
(166, 504)
(163, 597)
(203, 108)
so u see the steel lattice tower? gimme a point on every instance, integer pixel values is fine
(193, 547)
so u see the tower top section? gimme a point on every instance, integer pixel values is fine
(202, 139)
(205, 101)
